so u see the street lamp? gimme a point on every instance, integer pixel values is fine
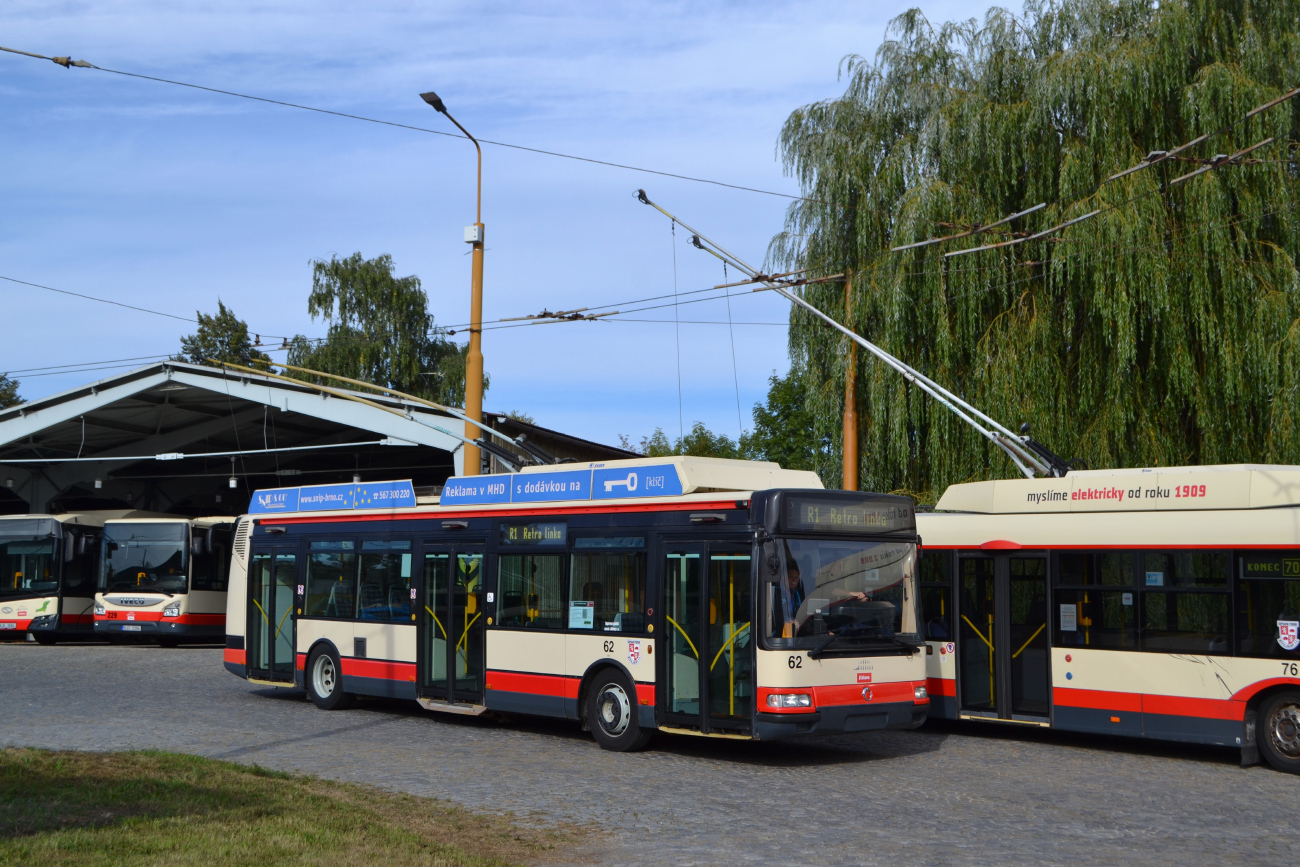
(474, 360)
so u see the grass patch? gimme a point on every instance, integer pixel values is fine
(153, 808)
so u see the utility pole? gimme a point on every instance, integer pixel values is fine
(474, 358)
(850, 396)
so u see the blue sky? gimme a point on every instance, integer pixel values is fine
(168, 198)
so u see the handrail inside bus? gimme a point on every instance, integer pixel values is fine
(1031, 638)
(437, 621)
(464, 637)
(980, 634)
(684, 635)
(733, 637)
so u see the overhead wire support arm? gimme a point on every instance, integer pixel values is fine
(1017, 449)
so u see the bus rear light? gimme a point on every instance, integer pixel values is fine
(919, 693)
(789, 699)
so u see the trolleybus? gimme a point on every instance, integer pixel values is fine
(47, 574)
(703, 596)
(1158, 603)
(164, 578)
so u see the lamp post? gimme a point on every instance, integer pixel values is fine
(474, 359)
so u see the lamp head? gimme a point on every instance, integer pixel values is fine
(433, 100)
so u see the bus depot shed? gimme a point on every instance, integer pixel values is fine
(196, 440)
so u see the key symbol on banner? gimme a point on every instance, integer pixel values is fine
(629, 483)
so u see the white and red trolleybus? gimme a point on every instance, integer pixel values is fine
(47, 574)
(1159, 603)
(691, 595)
(164, 577)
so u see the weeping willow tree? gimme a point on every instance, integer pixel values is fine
(1162, 331)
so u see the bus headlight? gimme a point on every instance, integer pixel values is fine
(172, 611)
(789, 699)
(99, 607)
(921, 694)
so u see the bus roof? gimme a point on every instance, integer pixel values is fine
(677, 477)
(1158, 489)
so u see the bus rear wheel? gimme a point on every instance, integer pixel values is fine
(612, 713)
(325, 680)
(1278, 732)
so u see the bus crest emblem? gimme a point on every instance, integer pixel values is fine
(634, 652)
(1288, 634)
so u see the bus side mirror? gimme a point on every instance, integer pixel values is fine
(82, 543)
(69, 548)
(196, 546)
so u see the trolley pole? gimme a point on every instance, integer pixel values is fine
(474, 358)
(850, 396)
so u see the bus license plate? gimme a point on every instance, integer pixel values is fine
(130, 627)
(8, 625)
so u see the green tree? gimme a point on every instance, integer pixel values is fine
(9, 392)
(223, 337)
(1165, 330)
(379, 330)
(785, 431)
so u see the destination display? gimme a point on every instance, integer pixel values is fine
(535, 533)
(320, 498)
(822, 514)
(600, 483)
(1283, 564)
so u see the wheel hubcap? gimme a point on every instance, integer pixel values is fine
(614, 710)
(324, 677)
(1284, 730)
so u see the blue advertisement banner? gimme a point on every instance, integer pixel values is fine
(656, 480)
(320, 498)
(544, 487)
(476, 490)
(274, 500)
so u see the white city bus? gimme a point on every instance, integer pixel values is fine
(1159, 603)
(164, 578)
(691, 595)
(47, 574)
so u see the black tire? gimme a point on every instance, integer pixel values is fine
(325, 680)
(1277, 731)
(612, 713)
(46, 638)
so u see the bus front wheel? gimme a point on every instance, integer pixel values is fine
(612, 713)
(325, 681)
(1278, 732)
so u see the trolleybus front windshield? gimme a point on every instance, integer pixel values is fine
(27, 566)
(843, 594)
(148, 557)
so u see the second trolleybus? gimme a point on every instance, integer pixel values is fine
(1159, 603)
(702, 596)
(47, 574)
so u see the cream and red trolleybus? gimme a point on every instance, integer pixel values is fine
(689, 595)
(47, 575)
(1158, 603)
(164, 577)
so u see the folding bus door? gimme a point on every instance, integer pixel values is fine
(451, 659)
(272, 576)
(1002, 629)
(706, 661)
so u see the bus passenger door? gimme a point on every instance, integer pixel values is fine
(451, 659)
(270, 626)
(1003, 632)
(706, 661)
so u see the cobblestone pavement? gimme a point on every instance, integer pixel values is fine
(947, 794)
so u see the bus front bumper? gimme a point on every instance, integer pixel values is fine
(156, 627)
(840, 719)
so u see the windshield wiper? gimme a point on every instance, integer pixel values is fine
(851, 633)
(821, 648)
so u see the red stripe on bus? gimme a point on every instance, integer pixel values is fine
(302, 661)
(118, 616)
(533, 684)
(1204, 708)
(201, 619)
(235, 656)
(379, 669)
(829, 696)
(941, 686)
(18, 623)
(645, 694)
(1246, 693)
(1097, 699)
(78, 618)
(500, 513)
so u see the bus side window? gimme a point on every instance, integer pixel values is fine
(1268, 604)
(331, 579)
(531, 593)
(385, 591)
(936, 594)
(607, 588)
(1094, 601)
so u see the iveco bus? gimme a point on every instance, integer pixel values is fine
(1159, 603)
(47, 574)
(164, 578)
(691, 595)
